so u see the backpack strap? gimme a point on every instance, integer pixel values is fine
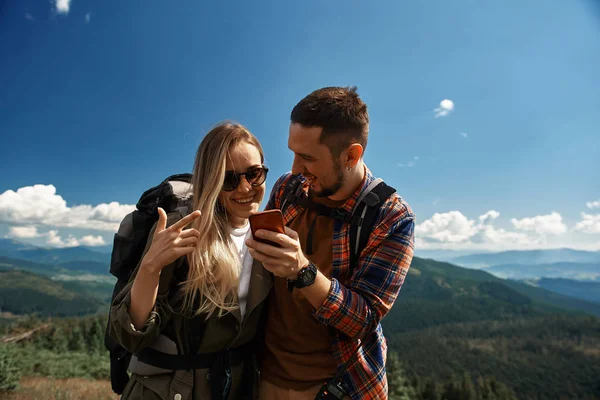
(291, 192)
(158, 359)
(366, 209)
(361, 219)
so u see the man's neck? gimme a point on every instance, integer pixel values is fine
(352, 182)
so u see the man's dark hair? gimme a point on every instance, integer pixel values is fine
(340, 112)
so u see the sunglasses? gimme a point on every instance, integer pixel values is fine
(254, 176)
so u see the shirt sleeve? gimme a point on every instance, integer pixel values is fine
(120, 325)
(356, 308)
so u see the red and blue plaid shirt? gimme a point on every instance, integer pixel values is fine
(356, 303)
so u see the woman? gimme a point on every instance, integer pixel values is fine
(193, 306)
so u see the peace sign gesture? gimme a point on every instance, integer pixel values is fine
(168, 244)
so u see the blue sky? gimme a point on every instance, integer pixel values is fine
(484, 115)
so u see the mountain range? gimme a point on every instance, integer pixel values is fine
(450, 320)
(567, 270)
(527, 257)
(447, 320)
(15, 249)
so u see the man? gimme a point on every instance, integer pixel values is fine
(327, 328)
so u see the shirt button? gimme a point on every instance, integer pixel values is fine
(177, 396)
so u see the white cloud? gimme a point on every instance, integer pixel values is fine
(590, 223)
(55, 240)
(88, 17)
(464, 134)
(29, 16)
(39, 204)
(411, 163)
(90, 240)
(63, 6)
(593, 204)
(489, 216)
(445, 108)
(453, 230)
(542, 224)
(491, 236)
(23, 232)
(111, 212)
(451, 227)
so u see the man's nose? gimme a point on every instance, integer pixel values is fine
(297, 166)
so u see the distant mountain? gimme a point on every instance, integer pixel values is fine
(527, 257)
(84, 277)
(442, 255)
(549, 357)
(14, 249)
(64, 255)
(100, 249)
(585, 290)
(72, 268)
(24, 292)
(449, 320)
(437, 293)
(9, 246)
(92, 267)
(30, 266)
(567, 270)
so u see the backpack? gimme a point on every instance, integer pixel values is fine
(361, 218)
(172, 194)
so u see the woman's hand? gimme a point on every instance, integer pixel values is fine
(168, 244)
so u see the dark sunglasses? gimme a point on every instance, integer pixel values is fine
(255, 176)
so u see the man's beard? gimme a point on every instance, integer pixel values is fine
(327, 191)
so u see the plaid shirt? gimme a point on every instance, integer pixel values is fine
(356, 303)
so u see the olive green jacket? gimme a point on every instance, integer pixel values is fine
(168, 331)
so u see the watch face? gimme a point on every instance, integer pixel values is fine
(307, 276)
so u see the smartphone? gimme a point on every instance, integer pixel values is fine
(271, 220)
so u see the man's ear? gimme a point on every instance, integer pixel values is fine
(353, 154)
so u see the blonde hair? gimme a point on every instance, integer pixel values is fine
(214, 266)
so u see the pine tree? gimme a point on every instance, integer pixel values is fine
(501, 391)
(9, 372)
(76, 340)
(95, 337)
(399, 387)
(430, 392)
(58, 340)
(451, 391)
(467, 388)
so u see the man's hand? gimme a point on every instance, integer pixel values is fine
(285, 261)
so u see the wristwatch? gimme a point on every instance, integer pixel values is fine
(306, 277)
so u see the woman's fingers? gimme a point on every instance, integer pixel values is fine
(184, 251)
(190, 241)
(183, 222)
(189, 233)
(162, 220)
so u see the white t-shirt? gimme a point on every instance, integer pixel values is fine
(239, 236)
